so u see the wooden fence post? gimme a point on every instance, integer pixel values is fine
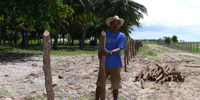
(193, 47)
(129, 50)
(137, 44)
(125, 56)
(133, 48)
(102, 66)
(186, 46)
(47, 66)
(197, 47)
(125, 60)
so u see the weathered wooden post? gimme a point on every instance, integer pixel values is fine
(186, 46)
(193, 47)
(197, 47)
(125, 56)
(125, 60)
(132, 47)
(137, 42)
(47, 66)
(135, 47)
(102, 66)
(127, 47)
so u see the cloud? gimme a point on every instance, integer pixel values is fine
(179, 17)
(161, 34)
(171, 12)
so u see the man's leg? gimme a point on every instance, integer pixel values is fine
(116, 84)
(115, 94)
(98, 92)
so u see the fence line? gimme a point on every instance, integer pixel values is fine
(186, 46)
(150, 40)
(132, 47)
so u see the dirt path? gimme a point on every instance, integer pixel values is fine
(25, 78)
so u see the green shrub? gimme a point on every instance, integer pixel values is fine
(174, 38)
(167, 40)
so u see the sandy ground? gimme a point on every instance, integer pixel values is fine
(24, 78)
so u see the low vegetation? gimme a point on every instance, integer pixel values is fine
(8, 51)
(147, 51)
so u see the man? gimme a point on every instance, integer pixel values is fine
(115, 42)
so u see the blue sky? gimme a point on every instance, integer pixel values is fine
(168, 18)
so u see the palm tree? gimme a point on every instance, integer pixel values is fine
(95, 26)
(130, 11)
(89, 7)
(74, 20)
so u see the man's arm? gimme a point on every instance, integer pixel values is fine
(105, 52)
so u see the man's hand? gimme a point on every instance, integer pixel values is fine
(103, 52)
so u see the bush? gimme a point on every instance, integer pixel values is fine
(174, 38)
(167, 40)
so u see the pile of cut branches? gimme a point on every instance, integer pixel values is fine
(159, 73)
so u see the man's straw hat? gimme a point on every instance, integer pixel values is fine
(110, 19)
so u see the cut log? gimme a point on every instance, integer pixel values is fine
(170, 69)
(167, 68)
(159, 77)
(139, 73)
(164, 71)
(47, 65)
(145, 77)
(142, 83)
(154, 73)
(159, 72)
(170, 77)
(174, 73)
(181, 77)
(152, 69)
(102, 66)
(163, 79)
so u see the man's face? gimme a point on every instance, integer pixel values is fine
(115, 25)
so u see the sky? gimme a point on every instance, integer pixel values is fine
(168, 18)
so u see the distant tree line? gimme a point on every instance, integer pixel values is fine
(25, 20)
(165, 39)
(168, 39)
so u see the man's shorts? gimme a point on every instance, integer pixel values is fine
(115, 77)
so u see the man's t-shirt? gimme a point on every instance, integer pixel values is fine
(113, 41)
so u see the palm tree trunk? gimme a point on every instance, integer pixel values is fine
(0, 31)
(15, 35)
(38, 39)
(4, 30)
(72, 32)
(15, 38)
(64, 38)
(58, 22)
(26, 39)
(83, 40)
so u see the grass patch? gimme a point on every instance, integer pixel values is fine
(63, 50)
(36, 97)
(75, 51)
(147, 51)
(4, 93)
(149, 42)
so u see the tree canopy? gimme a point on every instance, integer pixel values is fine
(174, 38)
(24, 20)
